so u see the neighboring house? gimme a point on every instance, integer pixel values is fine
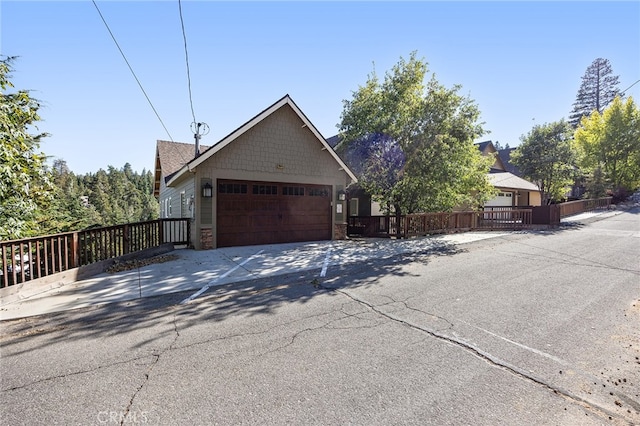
(275, 179)
(513, 191)
(505, 156)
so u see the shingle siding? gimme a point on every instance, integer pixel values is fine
(279, 144)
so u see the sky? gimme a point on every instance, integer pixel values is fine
(521, 62)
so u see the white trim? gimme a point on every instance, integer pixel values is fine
(286, 100)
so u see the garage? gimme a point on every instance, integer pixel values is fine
(503, 199)
(254, 212)
(275, 179)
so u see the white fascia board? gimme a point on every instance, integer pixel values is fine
(193, 164)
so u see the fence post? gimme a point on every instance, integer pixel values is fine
(75, 261)
(160, 223)
(127, 240)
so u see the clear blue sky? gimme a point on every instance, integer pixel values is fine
(522, 62)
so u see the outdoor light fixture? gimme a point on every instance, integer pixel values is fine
(207, 190)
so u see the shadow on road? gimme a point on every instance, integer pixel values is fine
(247, 298)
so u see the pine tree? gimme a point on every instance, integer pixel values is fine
(598, 89)
(24, 178)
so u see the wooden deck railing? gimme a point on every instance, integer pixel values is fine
(434, 223)
(489, 219)
(31, 258)
(582, 206)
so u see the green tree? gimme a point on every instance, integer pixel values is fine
(118, 196)
(608, 144)
(69, 209)
(597, 90)
(24, 178)
(431, 127)
(545, 157)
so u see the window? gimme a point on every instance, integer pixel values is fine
(265, 190)
(318, 192)
(232, 188)
(293, 190)
(353, 207)
(167, 207)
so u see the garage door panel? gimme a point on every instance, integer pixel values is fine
(261, 222)
(310, 221)
(233, 221)
(270, 212)
(263, 205)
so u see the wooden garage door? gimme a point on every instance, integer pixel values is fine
(252, 213)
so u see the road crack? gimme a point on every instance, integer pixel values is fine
(481, 354)
(75, 373)
(147, 374)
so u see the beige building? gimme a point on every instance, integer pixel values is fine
(513, 191)
(273, 180)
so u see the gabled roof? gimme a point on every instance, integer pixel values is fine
(171, 157)
(333, 141)
(285, 100)
(487, 148)
(483, 145)
(505, 154)
(510, 181)
(174, 155)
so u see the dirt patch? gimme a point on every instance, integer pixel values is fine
(120, 266)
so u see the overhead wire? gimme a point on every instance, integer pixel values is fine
(131, 69)
(186, 57)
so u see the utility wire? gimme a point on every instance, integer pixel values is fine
(131, 69)
(186, 57)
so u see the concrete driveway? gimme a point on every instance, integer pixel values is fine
(201, 270)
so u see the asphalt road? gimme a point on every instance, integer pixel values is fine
(528, 329)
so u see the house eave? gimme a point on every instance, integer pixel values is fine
(286, 100)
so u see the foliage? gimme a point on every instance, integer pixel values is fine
(499, 147)
(608, 144)
(412, 143)
(104, 198)
(24, 180)
(36, 199)
(379, 161)
(545, 157)
(598, 89)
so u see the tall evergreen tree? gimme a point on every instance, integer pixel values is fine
(24, 178)
(598, 89)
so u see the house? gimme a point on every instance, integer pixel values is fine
(513, 191)
(274, 179)
(505, 156)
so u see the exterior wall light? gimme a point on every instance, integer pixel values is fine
(207, 190)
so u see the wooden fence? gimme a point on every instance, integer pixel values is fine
(582, 206)
(491, 218)
(31, 258)
(437, 223)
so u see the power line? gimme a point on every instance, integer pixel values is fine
(186, 57)
(131, 69)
